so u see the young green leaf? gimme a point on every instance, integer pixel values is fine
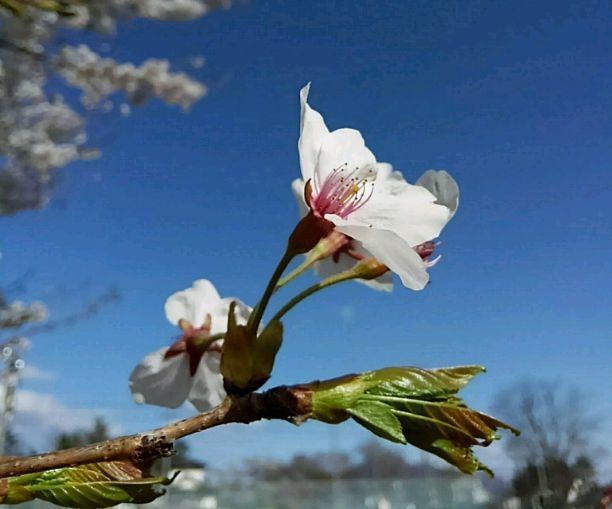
(94, 485)
(412, 405)
(379, 419)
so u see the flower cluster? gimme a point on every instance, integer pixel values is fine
(353, 210)
(189, 369)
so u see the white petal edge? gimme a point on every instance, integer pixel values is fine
(192, 304)
(328, 267)
(297, 187)
(207, 391)
(407, 210)
(159, 381)
(344, 148)
(443, 186)
(312, 133)
(393, 251)
(221, 311)
(383, 283)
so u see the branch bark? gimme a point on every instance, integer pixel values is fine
(293, 404)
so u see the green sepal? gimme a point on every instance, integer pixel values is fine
(264, 355)
(236, 360)
(247, 359)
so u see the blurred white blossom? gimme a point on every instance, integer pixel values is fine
(41, 131)
(100, 77)
(16, 314)
(186, 371)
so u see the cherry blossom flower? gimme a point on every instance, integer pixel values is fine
(188, 369)
(380, 214)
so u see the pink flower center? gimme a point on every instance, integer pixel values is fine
(192, 343)
(343, 191)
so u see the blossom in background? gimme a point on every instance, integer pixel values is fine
(380, 214)
(15, 314)
(43, 130)
(186, 370)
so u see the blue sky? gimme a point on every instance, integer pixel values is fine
(512, 98)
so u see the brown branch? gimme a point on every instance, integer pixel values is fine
(293, 404)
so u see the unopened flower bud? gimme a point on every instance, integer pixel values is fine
(329, 246)
(247, 359)
(370, 268)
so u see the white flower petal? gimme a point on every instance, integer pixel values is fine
(206, 291)
(384, 170)
(312, 132)
(407, 210)
(344, 148)
(207, 391)
(192, 304)
(221, 310)
(159, 381)
(443, 187)
(393, 251)
(383, 283)
(297, 186)
(329, 267)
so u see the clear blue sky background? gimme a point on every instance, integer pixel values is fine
(513, 99)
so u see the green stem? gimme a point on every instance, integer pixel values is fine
(300, 269)
(330, 281)
(326, 247)
(258, 312)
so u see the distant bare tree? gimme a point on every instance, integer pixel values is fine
(97, 433)
(554, 421)
(554, 454)
(378, 462)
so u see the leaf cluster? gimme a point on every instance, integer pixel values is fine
(415, 406)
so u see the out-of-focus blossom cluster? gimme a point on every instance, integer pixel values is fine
(102, 15)
(17, 314)
(40, 130)
(100, 77)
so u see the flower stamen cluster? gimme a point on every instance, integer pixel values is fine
(342, 192)
(195, 342)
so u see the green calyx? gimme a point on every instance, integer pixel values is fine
(248, 358)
